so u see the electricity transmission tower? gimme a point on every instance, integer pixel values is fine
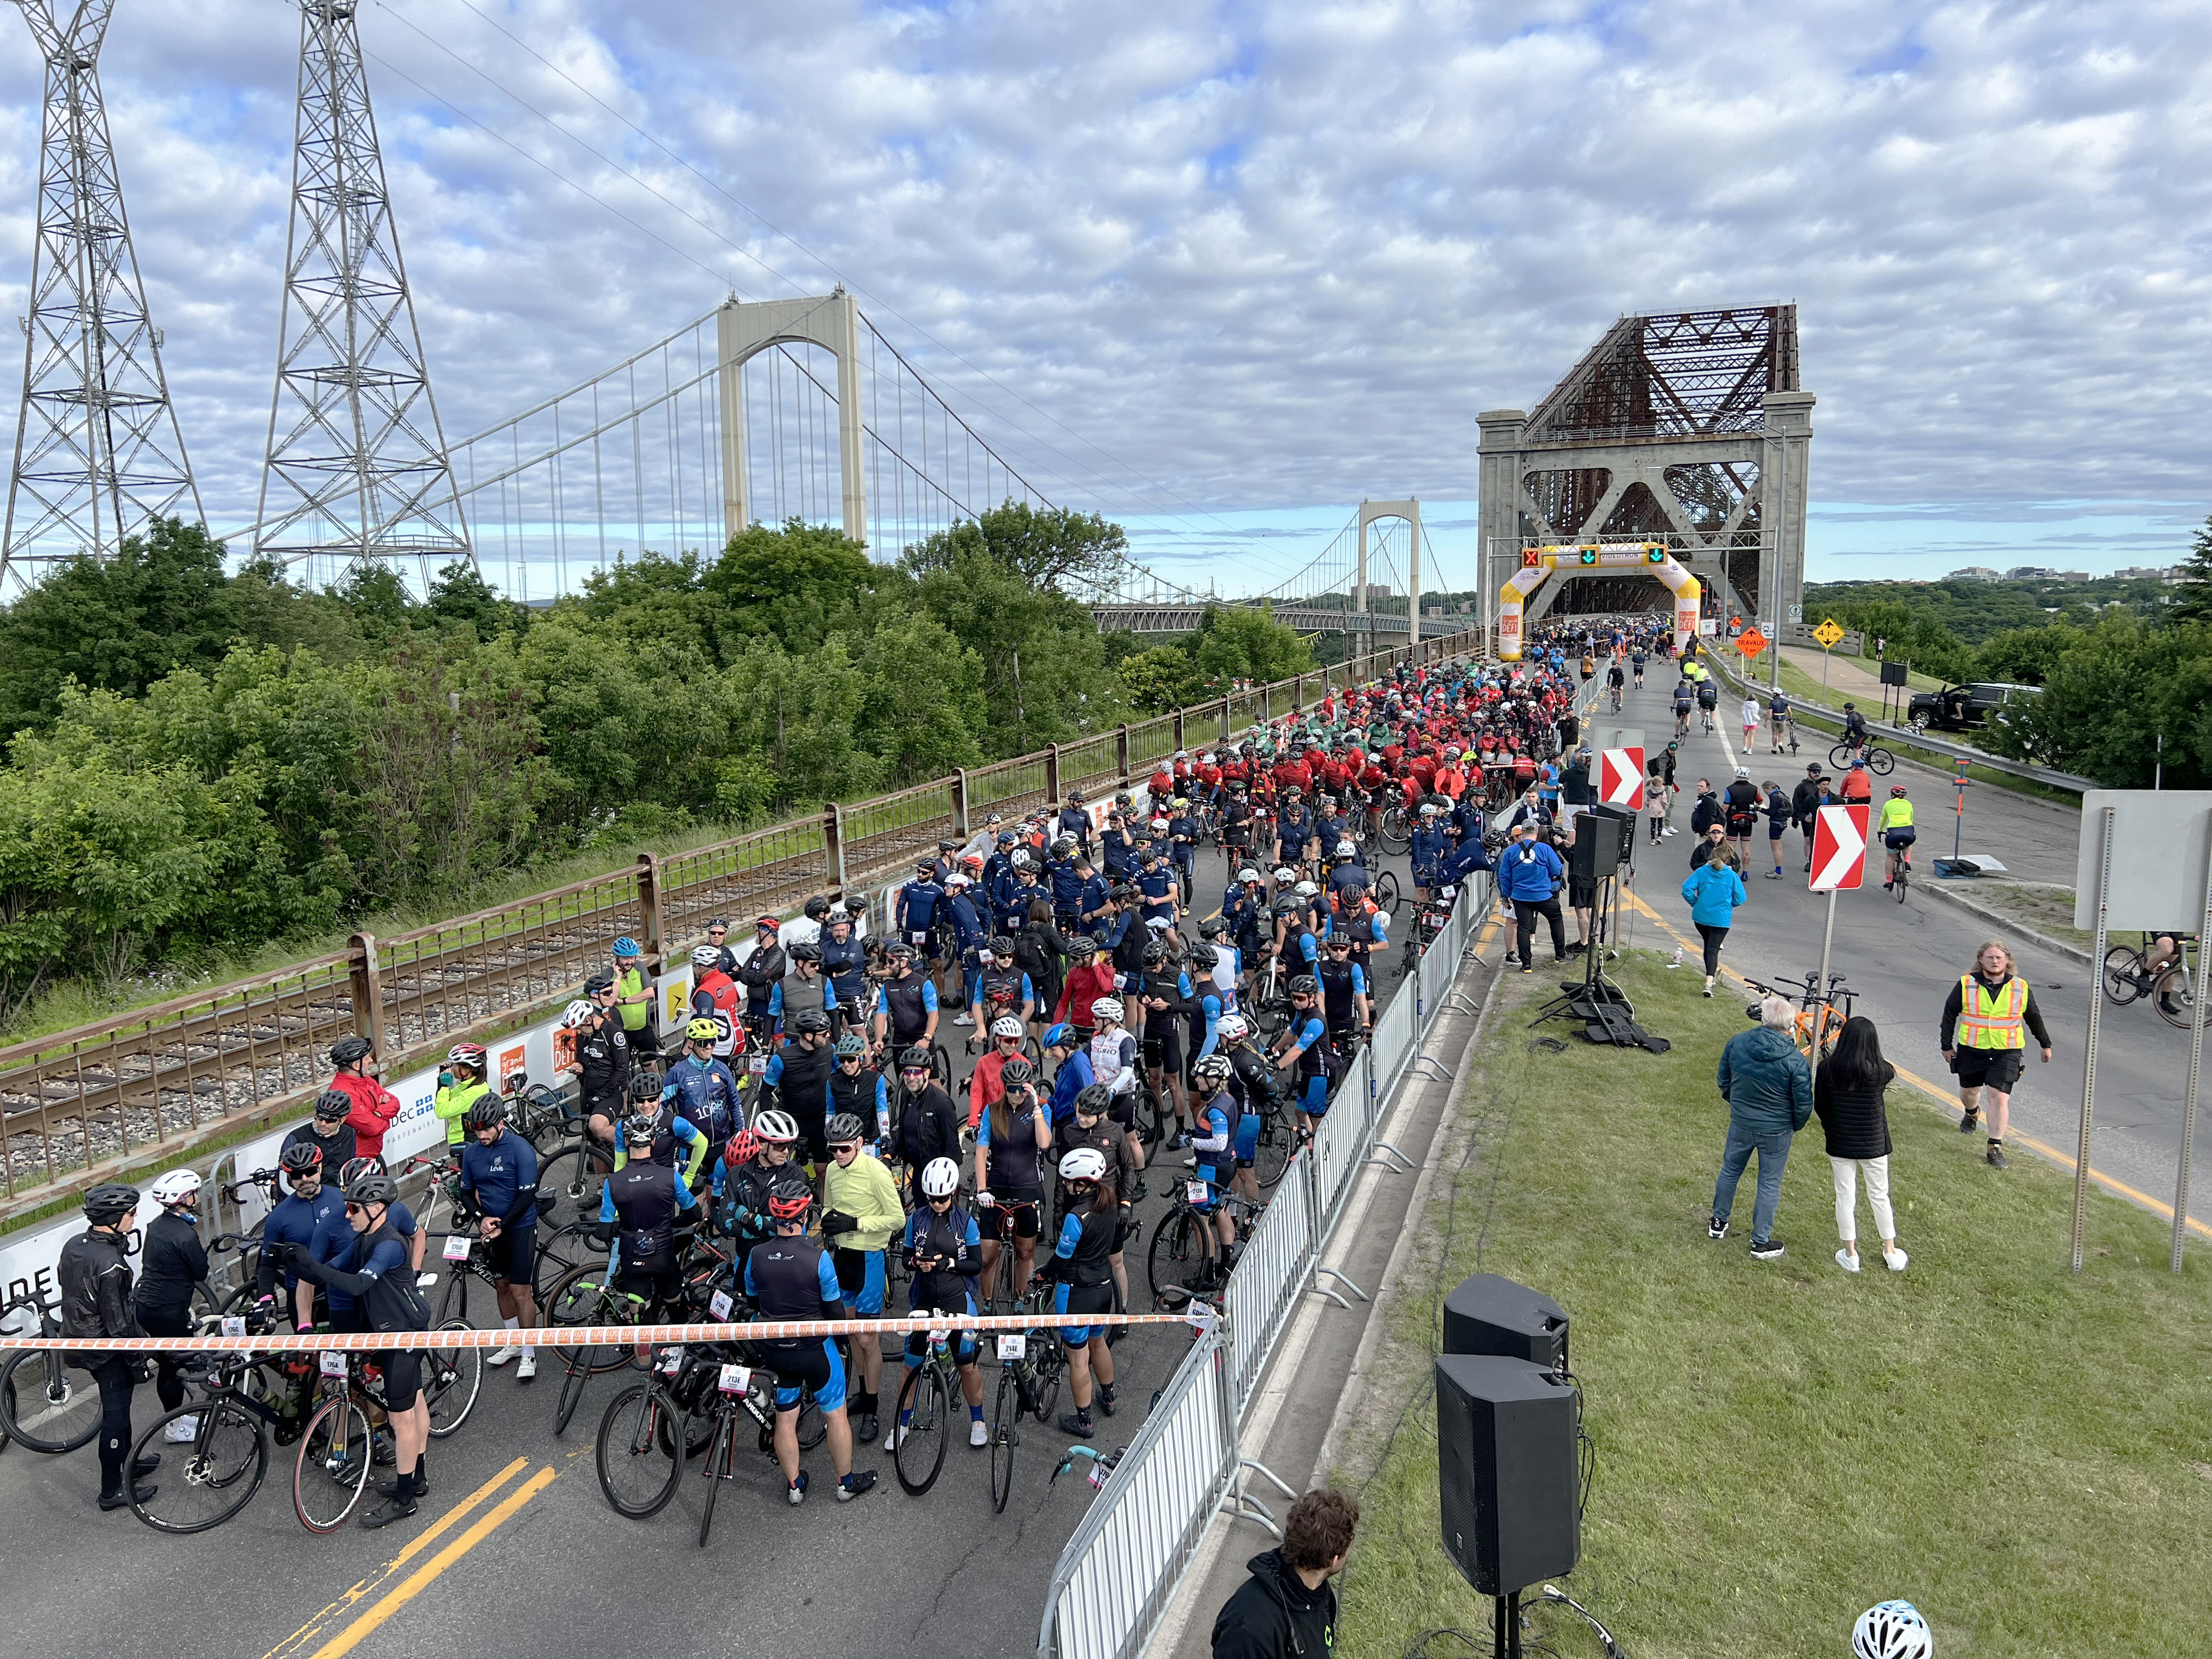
(97, 449)
(357, 470)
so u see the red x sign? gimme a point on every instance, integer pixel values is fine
(1839, 844)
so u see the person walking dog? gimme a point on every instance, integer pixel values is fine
(1848, 1096)
(1769, 1090)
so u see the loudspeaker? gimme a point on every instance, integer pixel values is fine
(1489, 1315)
(1624, 822)
(1597, 852)
(1506, 1471)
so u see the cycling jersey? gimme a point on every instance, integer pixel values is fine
(1114, 1061)
(708, 1094)
(501, 1179)
(642, 1200)
(909, 1001)
(1896, 814)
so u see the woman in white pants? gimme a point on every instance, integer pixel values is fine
(1847, 1089)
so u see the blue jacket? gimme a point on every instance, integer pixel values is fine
(1531, 870)
(1765, 1081)
(1712, 892)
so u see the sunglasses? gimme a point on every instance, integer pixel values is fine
(914, 1071)
(942, 1198)
(847, 1147)
(356, 1209)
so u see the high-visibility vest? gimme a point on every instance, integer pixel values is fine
(1987, 1021)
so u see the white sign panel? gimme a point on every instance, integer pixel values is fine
(2159, 843)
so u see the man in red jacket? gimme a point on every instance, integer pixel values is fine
(374, 1106)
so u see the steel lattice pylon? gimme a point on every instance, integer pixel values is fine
(358, 467)
(97, 449)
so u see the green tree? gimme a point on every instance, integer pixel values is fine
(460, 594)
(1239, 642)
(2192, 598)
(1160, 680)
(2107, 703)
(2025, 656)
(922, 699)
(1045, 547)
(796, 585)
(652, 598)
(794, 729)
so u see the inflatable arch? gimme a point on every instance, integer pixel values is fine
(1589, 559)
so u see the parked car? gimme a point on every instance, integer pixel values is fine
(1956, 707)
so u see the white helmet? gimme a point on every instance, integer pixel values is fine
(1248, 873)
(1305, 890)
(707, 956)
(577, 1012)
(178, 1187)
(1005, 1026)
(1345, 849)
(778, 1127)
(940, 1178)
(1429, 809)
(1106, 1011)
(1083, 1164)
(1893, 1630)
(1231, 1028)
(1285, 873)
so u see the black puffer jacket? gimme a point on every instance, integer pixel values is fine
(95, 1282)
(1275, 1616)
(1855, 1120)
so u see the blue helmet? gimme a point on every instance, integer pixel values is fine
(1061, 1036)
(627, 946)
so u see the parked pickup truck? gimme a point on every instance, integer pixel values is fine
(1956, 707)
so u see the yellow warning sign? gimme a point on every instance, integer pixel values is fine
(1828, 633)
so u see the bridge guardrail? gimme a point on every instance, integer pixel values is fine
(78, 1103)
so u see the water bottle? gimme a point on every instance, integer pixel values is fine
(1677, 962)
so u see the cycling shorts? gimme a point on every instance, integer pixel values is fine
(860, 1273)
(656, 1278)
(1313, 1098)
(1163, 1041)
(1247, 1145)
(1082, 1299)
(1903, 837)
(403, 1378)
(808, 1363)
(511, 1255)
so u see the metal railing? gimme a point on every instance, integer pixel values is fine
(83, 1102)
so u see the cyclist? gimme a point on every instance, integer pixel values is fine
(1855, 728)
(1114, 1058)
(1011, 1138)
(857, 1089)
(499, 1177)
(716, 997)
(1615, 679)
(845, 965)
(172, 1263)
(641, 1208)
(602, 1065)
(928, 1124)
(1857, 786)
(634, 999)
(1002, 988)
(753, 1161)
(1709, 702)
(964, 935)
(787, 1277)
(675, 1130)
(1163, 993)
(94, 1273)
(860, 1211)
(1183, 841)
(293, 1221)
(944, 1254)
(1305, 1052)
(1252, 1084)
(798, 1078)
(984, 1084)
(915, 911)
(1344, 1006)
(718, 935)
(802, 990)
(375, 1107)
(1740, 803)
(1080, 1265)
(1779, 729)
(1894, 825)
(906, 1004)
(378, 1270)
(1637, 659)
(328, 1130)
(1218, 1113)
(1429, 847)
(1072, 1073)
(1685, 691)
(460, 1084)
(700, 1088)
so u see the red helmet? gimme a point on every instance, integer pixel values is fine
(742, 1147)
(467, 1053)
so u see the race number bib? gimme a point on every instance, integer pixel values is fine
(671, 1362)
(456, 1246)
(1195, 1191)
(233, 1325)
(1012, 1344)
(333, 1364)
(720, 1304)
(735, 1379)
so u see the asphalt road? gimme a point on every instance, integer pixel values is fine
(527, 1555)
(1903, 959)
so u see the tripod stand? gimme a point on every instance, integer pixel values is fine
(1601, 1007)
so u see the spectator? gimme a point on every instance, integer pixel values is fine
(1713, 893)
(1711, 839)
(1805, 802)
(1528, 874)
(374, 1106)
(1848, 1094)
(1769, 1090)
(1286, 1609)
(1708, 810)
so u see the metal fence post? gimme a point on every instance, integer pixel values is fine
(958, 781)
(1178, 730)
(1266, 712)
(1052, 773)
(368, 991)
(833, 845)
(1225, 719)
(648, 905)
(1121, 751)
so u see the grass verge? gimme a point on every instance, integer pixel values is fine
(2019, 1452)
(2044, 906)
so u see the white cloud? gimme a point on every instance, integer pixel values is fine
(1256, 256)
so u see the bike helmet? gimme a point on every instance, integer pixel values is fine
(805, 953)
(940, 1178)
(373, 1189)
(817, 908)
(1022, 861)
(1430, 809)
(915, 1060)
(179, 1186)
(741, 1148)
(701, 1030)
(1106, 1011)
(355, 1167)
(856, 906)
(1305, 890)
(1083, 1165)
(1002, 947)
(641, 1128)
(843, 1130)
(1893, 1630)
(577, 1012)
(1284, 874)
(1896, 789)
(1017, 1073)
(332, 1105)
(1005, 1026)
(300, 1158)
(707, 956)
(1061, 1036)
(1214, 1069)
(598, 985)
(777, 1128)
(1213, 927)
(1305, 985)
(852, 1046)
(1093, 1100)
(471, 1055)
(811, 1022)
(925, 869)
(1156, 953)
(1247, 874)
(790, 1198)
(627, 947)
(766, 925)
(645, 1086)
(348, 1050)
(900, 952)
(489, 1113)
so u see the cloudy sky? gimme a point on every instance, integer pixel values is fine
(1222, 270)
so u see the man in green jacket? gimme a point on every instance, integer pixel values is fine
(1769, 1090)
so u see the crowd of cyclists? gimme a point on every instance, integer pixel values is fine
(811, 1145)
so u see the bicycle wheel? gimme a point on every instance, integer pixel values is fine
(721, 1464)
(49, 1407)
(813, 1428)
(1386, 891)
(577, 1171)
(331, 1469)
(453, 1296)
(917, 1446)
(1044, 1376)
(1396, 836)
(2173, 998)
(1271, 1157)
(1005, 1436)
(1880, 761)
(1840, 757)
(1173, 1247)
(637, 1461)
(565, 1249)
(940, 1066)
(1904, 879)
(577, 1300)
(215, 1477)
(1148, 1116)
(2124, 974)
(451, 1379)
(1271, 1014)
(573, 1375)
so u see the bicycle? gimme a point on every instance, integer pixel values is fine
(1029, 1383)
(1903, 877)
(44, 1403)
(579, 1302)
(1395, 830)
(1616, 699)
(923, 1428)
(1819, 1012)
(1879, 761)
(1386, 892)
(2171, 989)
(216, 1472)
(1183, 1232)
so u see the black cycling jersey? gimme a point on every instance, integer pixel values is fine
(645, 1212)
(172, 1261)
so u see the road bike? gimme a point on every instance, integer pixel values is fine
(1030, 1365)
(926, 1419)
(2172, 988)
(587, 1298)
(1879, 761)
(1819, 1012)
(1396, 830)
(1903, 878)
(1182, 1237)
(46, 1403)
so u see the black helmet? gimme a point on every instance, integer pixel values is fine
(1015, 1072)
(1156, 953)
(373, 1189)
(818, 907)
(857, 905)
(810, 1021)
(1213, 927)
(598, 983)
(348, 1050)
(643, 1085)
(1093, 1101)
(911, 1060)
(843, 1130)
(111, 1201)
(489, 1113)
(301, 1156)
(805, 953)
(1002, 947)
(332, 1105)
(1305, 985)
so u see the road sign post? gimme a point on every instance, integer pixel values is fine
(1827, 634)
(1839, 845)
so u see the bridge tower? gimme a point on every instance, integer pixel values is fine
(1411, 512)
(98, 450)
(1690, 429)
(356, 468)
(744, 329)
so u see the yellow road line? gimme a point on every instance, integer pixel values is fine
(1946, 1101)
(420, 1542)
(361, 1628)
